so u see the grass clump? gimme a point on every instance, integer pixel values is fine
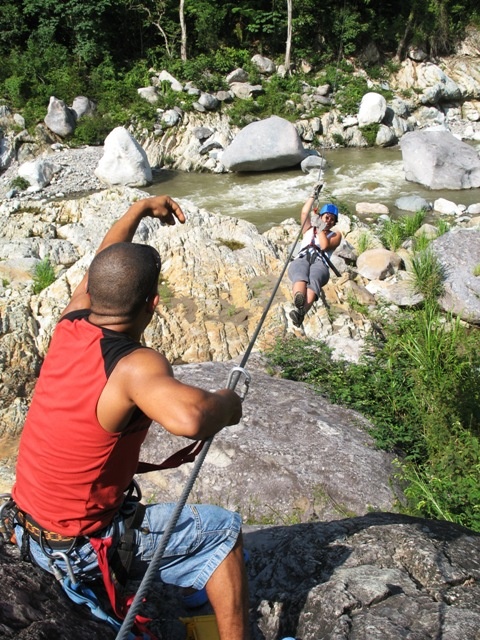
(418, 383)
(19, 183)
(428, 275)
(365, 241)
(394, 232)
(43, 275)
(233, 245)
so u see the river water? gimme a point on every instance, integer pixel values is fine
(266, 199)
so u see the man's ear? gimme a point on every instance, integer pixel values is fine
(152, 303)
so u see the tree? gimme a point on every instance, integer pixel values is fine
(183, 28)
(155, 12)
(289, 35)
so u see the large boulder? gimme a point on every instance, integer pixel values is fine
(290, 433)
(459, 251)
(372, 109)
(377, 264)
(124, 161)
(60, 119)
(382, 576)
(438, 160)
(38, 173)
(269, 144)
(83, 106)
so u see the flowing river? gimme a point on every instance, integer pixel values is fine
(266, 199)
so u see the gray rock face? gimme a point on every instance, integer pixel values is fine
(378, 577)
(459, 252)
(438, 160)
(60, 119)
(289, 433)
(262, 146)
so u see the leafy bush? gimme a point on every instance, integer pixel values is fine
(19, 183)
(418, 383)
(369, 132)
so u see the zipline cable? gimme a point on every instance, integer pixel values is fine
(150, 574)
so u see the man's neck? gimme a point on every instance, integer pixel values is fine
(116, 323)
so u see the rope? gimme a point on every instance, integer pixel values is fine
(150, 574)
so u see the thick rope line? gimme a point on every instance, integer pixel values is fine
(150, 574)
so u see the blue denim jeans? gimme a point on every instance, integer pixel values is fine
(202, 538)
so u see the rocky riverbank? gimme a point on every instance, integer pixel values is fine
(74, 175)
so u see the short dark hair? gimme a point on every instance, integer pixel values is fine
(122, 277)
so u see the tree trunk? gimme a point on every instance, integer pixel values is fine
(289, 35)
(183, 46)
(403, 41)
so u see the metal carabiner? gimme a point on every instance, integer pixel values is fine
(62, 555)
(233, 379)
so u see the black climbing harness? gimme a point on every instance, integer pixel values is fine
(312, 252)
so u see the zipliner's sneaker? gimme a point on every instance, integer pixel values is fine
(296, 317)
(299, 300)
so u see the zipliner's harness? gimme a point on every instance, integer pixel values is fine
(114, 569)
(312, 251)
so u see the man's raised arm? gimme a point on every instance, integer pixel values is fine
(162, 207)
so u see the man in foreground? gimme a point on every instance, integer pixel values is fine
(98, 392)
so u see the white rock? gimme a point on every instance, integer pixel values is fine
(124, 161)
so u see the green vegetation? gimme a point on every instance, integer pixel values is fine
(476, 270)
(394, 232)
(419, 385)
(165, 293)
(43, 275)
(365, 241)
(233, 245)
(19, 183)
(428, 275)
(105, 50)
(369, 132)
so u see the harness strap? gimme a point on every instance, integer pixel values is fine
(80, 594)
(120, 605)
(122, 557)
(187, 454)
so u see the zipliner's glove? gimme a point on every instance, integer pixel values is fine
(316, 190)
(318, 223)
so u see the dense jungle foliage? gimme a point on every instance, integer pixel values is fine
(103, 48)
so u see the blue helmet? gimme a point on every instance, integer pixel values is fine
(329, 208)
